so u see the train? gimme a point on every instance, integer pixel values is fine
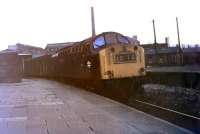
(109, 56)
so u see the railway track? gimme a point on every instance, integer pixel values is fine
(187, 121)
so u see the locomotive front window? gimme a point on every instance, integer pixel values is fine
(99, 42)
(122, 39)
(110, 38)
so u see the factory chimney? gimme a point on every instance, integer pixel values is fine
(93, 21)
(179, 44)
(179, 49)
(167, 41)
(155, 44)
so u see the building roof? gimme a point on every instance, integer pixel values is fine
(158, 45)
(7, 51)
(161, 50)
(23, 49)
(19, 46)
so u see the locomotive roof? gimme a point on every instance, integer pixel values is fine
(88, 40)
(59, 45)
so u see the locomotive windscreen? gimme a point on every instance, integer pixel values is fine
(122, 39)
(99, 42)
(113, 38)
(109, 38)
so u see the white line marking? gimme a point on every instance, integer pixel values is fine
(14, 119)
(52, 103)
(38, 104)
(148, 115)
(7, 106)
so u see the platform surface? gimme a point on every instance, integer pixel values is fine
(38, 106)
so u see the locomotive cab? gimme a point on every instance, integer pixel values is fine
(118, 57)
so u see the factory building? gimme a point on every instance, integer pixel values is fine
(163, 55)
(27, 50)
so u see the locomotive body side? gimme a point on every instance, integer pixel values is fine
(106, 56)
(75, 62)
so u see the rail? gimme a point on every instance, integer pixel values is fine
(183, 114)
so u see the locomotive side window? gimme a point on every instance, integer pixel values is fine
(111, 38)
(99, 42)
(122, 39)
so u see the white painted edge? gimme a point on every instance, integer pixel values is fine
(151, 116)
(13, 119)
(133, 109)
(38, 104)
(166, 109)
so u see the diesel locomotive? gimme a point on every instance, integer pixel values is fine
(107, 56)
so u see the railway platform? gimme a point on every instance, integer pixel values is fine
(39, 106)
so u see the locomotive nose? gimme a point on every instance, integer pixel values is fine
(121, 61)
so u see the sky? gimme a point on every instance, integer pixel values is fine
(38, 22)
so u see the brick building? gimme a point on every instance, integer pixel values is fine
(9, 66)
